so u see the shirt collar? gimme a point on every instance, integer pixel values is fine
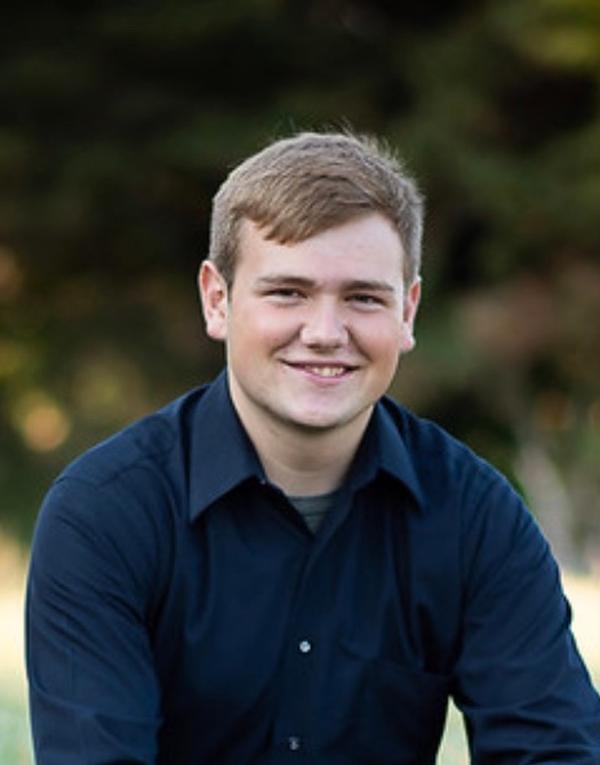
(221, 454)
(393, 455)
(223, 457)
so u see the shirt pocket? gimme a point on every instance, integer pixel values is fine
(400, 717)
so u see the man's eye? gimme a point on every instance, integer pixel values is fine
(288, 293)
(368, 300)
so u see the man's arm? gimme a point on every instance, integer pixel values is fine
(520, 681)
(94, 695)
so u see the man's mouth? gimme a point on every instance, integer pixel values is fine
(328, 371)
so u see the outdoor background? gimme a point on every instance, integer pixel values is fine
(120, 119)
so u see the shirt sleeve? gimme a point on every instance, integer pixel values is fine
(520, 682)
(94, 695)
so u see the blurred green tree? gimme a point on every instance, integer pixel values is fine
(119, 121)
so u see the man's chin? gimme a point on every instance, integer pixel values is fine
(320, 423)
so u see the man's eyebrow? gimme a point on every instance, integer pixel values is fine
(369, 285)
(373, 285)
(277, 280)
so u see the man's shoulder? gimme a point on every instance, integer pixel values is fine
(463, 496)
(148, 443)
(444, 464)
(129, 483)
(424, 438)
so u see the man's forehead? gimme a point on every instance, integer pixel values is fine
(252, 231)
(364, 253)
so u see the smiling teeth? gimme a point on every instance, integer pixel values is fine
(327, 371)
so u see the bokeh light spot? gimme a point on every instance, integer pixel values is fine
(41, 422)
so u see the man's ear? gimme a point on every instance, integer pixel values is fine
(409, 314)
(214, 299)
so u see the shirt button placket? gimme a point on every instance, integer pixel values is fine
(294, 743)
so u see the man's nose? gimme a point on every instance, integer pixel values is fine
(324, 326)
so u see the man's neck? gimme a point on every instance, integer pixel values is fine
(310, 470)
(305, 462)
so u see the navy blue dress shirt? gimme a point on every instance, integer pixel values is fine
(179, 611)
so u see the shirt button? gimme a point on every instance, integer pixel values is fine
(294, 743)
(305, 646)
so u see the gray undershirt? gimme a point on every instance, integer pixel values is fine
(313, 509)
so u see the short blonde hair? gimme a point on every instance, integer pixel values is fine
(300, 186)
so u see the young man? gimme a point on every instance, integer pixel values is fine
(286, 566)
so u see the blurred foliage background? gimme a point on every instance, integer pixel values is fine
(120, 119)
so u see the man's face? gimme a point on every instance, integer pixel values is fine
(314, 329)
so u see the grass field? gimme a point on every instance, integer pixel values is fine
(15, 749)
(14, 732)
